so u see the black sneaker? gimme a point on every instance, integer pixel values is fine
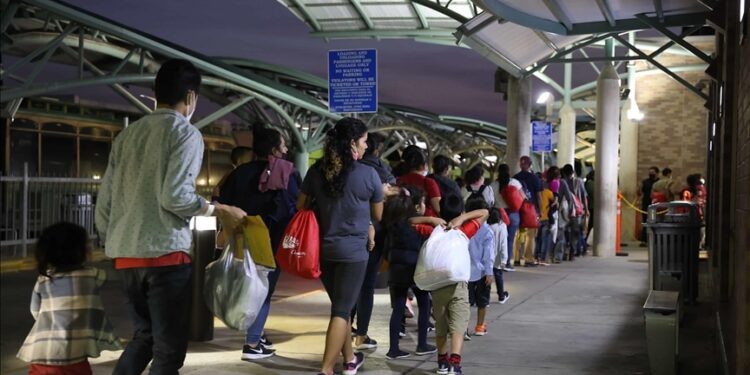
(455, 370)
(402, 332)
(430, 327)
(466, 336)
(258, 352)
(350, 368)
(398, 354)
(504, 297)
(426, 349)
(443, 367)
(266, 342)
(367, 343)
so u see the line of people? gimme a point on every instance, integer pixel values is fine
(366, 215)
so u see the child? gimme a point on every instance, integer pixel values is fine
(451, 303)
(403, 243)
(482, 252)
(70, 324)
(498, 221)
(546, 205)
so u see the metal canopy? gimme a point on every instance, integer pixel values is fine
(513, 34)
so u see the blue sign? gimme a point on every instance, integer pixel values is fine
(541, 136)
(352, 81)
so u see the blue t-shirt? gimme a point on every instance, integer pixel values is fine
(533, 183)
(344, 220)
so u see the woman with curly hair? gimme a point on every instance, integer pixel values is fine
(347, 197)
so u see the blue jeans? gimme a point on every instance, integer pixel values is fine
(515, 221)
(498, 273)
(256, 329)
(543, 241)
(363, 309)
(561, 243)
(159, 301)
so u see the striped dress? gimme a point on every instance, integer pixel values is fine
(70, 322)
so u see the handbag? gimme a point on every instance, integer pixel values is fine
(235, 289)
(299, 250)
(529, 218)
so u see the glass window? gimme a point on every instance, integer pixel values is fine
(58, 156)
(22, 123)
(23, 149)
(58, 127)
(94, 158)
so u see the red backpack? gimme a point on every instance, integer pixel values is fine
(299, 250)
(512, 197)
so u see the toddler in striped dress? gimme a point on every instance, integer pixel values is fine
(70, 323)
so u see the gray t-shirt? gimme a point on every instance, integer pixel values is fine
(344, 221)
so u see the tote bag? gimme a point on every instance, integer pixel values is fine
(299, 250)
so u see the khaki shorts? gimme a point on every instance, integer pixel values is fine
(450, 305)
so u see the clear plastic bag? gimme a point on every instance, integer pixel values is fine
(235, 289)
(443, 260)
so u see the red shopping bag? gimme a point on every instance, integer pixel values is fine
(299, 250)
(528, 215)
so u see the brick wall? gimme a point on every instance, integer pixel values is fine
(673, 131)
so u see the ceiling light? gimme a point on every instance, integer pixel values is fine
(543, 97)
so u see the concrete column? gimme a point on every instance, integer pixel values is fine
(301, 161)
(607, 134)
(629, 154)
(566, 136)
(519, 122)
(628, 173)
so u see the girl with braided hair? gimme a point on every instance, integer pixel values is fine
(347, 196)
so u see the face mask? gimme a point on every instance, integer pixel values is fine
(190, 113)
(191, 108)
(355, 154)
(423, 173)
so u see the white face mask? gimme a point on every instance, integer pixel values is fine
(192, 97)
(423, 173)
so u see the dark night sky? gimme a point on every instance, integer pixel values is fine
(441, 79)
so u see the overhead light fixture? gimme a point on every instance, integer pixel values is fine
(421, 145)
(491, 158)
(542, 99)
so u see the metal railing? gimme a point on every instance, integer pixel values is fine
(30, 204)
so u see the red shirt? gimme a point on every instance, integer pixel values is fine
(469, 228)
(427, 184)
(171, 259)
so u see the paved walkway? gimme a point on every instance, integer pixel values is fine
(581, 317)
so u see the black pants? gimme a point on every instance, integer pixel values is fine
(363, 309)
(159, 301)
(398, 301)
(343, 282)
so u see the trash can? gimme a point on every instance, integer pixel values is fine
(673, 244)
(204, 241)
(661, 315)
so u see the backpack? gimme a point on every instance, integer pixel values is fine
(578, 205)
(512, 197)
(476, 194)
(446, 191)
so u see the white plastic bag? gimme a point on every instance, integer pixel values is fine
(235, 289)
(443, 260)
